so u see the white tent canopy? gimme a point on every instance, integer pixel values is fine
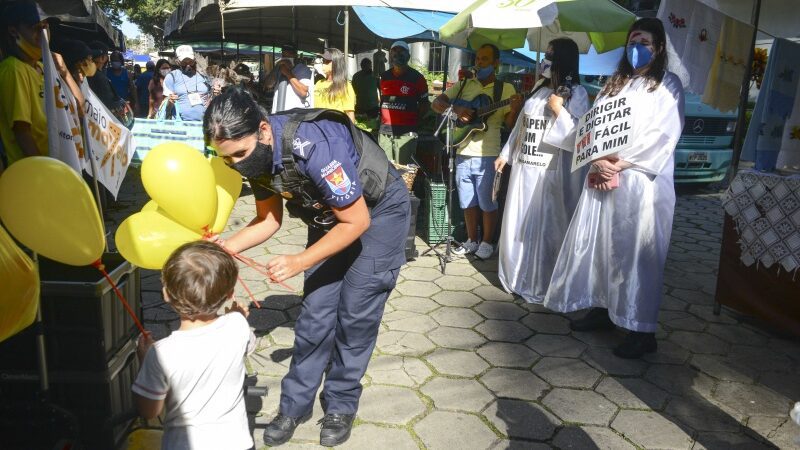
(778, 18)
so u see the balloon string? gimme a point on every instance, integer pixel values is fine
(102, 268)
(252, 297)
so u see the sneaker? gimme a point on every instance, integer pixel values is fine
(485, 250)
(281, 429)
(467, 248)
(335, 429)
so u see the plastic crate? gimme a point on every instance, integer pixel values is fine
(84, 322)
(151, 132)
(432, 216)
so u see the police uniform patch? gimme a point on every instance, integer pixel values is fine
(338, 181)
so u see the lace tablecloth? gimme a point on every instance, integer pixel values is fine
(766, 210)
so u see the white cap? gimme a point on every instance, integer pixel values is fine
(184, 51)
(400, 44)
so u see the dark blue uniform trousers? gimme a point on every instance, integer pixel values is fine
(344, 298)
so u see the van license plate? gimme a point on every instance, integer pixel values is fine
(698, 157)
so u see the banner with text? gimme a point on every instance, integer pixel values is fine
(605, 129)
(111, 144)
(531, 134)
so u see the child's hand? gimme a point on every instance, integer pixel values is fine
(143, 344)
(238, 307)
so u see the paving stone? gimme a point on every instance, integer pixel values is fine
(417, 288)
(671, 303)
(520, 419)
(366, 435)
(417, 323)
(516, 444)
(736, 334)
(456, 317)
(779, 431)
(786, 384)
(493, 293)
(700, 342)
(668, 353)
(651, 430)
(504, 331)
(284, 249)
(421, 273)
(403, 343)
(719, 368)
(500, 310)
(463, 268)
(702, 415)
(463, 431)
(414, 304)
(282, 336)
(752, 400)
(460, 338)
(754, 360)
(580, 438)
(604, 339)
(457, 299)
(680, 380)
(516, 384)
(566, 372)
(689, 323)
(281, 302)
(456, 362)
(553, 345)
(604, 360)
(457, 394)
(405, 405)
(692, 296)
(633, 393)
(546, 323)
(502, 354)
(456, 283)
(583, 407)
(398, 370)
(725, 441)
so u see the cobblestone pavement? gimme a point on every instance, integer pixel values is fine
(460, 364)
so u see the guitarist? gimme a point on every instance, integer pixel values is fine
(475, 157)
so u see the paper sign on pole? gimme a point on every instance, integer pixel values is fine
(605, 129)
(531, 134)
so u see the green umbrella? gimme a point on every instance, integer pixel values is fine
(507, 23)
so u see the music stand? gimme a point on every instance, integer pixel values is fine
(448, 123)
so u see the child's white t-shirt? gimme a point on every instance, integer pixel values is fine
(200, 372)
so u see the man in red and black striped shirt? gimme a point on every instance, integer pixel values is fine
(404, 99)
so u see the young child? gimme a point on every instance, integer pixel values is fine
(198, 371)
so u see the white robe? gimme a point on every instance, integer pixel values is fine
(540, 201)
(614, 253)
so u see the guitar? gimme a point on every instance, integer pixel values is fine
(482, 106)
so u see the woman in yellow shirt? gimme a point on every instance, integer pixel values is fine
(335, 91)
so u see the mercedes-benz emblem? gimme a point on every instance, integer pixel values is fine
(697, 126)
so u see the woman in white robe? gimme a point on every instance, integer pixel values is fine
(542, 192)
(613, 255)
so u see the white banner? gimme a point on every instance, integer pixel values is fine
(604, 130)
(111, 144)
(532, 132)
(63, 124)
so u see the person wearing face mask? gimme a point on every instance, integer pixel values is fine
(614, 252)
(142, 93)
(475, 161)
(23, 123)
(292, 81)
(366, 86)
(99, 82)
(121, 80)
(350, 263)
(156, 87)
(335, 92)
(187, 88)
(404, 99)
(542, 190)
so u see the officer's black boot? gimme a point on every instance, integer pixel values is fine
(595, 319)
(636, 344)
(335, 429)
(281, 429)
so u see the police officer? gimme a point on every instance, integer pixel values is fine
(351, 261)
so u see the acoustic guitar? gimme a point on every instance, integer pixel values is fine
(482, 107)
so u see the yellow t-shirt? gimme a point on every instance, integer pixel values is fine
(21, 100)
(483, 143)
(342, 103)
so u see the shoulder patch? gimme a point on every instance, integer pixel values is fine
(338, 181)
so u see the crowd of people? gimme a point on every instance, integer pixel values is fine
(594, 238)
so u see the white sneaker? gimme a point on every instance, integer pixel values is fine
(485, 250)
(467, 248)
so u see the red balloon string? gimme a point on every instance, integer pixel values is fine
(250, 294)
(102, 268)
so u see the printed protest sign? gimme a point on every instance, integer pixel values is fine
(604, 130)
(111, 144)
(530, 137)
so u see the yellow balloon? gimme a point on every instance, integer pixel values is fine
(19, 296)
(48, 207)
(181, 181)
(147, 238)
(150, 206)
(229, 186)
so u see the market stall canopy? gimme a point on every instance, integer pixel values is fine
(778, 18)
(599, 23)
(83, 20)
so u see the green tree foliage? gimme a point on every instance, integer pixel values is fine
(148, 15)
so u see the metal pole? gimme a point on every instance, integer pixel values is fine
(346, 31)
(446, 67)
(93, 165)
(41, 354)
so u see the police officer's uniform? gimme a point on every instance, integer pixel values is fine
(344, 296)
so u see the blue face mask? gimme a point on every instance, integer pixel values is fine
(484, 73)
(638, 55)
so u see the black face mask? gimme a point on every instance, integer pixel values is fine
(258, 164)
(188, 70)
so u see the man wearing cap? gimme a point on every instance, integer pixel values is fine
(99, 83)
(404, 99)
(186, 87)
(142, 94)
(292, 81)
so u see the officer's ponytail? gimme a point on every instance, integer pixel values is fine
(232, 115)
